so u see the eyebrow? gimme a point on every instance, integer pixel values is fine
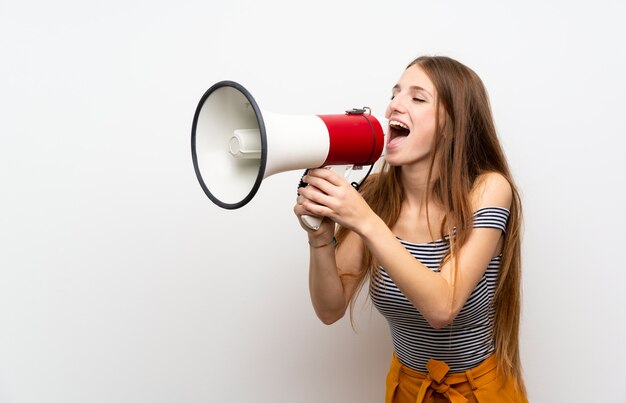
(413, 87)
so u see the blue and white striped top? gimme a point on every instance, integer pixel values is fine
(467, 341)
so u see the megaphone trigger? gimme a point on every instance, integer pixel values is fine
(302, 183)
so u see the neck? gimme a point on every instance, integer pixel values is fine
(416, 186)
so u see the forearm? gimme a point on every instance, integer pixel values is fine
(427, 290)
(325, 285)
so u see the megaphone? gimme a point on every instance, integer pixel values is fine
(235, 145)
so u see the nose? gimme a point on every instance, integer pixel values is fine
(396, 105)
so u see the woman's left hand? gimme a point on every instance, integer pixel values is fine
(330, 195)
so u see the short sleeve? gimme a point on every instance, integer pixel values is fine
(491, 217)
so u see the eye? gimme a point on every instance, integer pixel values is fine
(419, 100)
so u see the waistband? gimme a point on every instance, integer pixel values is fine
(438, 380)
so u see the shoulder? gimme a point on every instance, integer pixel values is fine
(491, 189)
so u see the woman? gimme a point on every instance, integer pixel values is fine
(437, 232)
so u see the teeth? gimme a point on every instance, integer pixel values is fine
(398, 124)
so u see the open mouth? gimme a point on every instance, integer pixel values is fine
(397, 130)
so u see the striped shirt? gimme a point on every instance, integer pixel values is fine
(468, 340)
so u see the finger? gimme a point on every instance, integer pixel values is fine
(327, 174)
(303, 208)
(299, 210)
(311, 198)
(314, 209)
(319, 183)
(312, 195)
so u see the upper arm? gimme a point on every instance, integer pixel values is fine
(491, 190)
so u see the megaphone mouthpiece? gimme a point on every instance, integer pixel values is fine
(246, 143)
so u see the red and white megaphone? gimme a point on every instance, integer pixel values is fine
(235, 145)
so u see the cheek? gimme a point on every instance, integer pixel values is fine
(426, 142)
(426, 133)
(426, 124)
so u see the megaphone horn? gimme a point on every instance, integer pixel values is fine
(235, 145)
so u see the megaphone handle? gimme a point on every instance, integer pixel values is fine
(313, 222)
(310, 221)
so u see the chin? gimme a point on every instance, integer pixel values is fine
(396, 160)
(391, 161)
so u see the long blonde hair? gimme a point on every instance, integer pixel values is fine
(466, 147)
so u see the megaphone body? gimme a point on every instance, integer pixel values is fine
(236, 145)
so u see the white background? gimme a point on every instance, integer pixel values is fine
(121, 282)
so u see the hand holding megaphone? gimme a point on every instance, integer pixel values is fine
(235, 145)
(314, 222)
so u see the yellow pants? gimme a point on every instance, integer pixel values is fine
(480, 384)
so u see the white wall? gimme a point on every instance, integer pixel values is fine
(120, 281)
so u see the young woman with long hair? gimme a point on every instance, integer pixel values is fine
(437, 233)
